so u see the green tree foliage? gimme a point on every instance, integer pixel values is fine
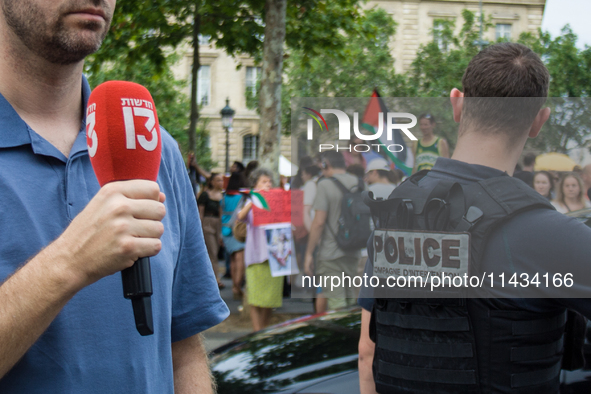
(321, 28)
(171, 103)
(440, 64)
(333, 49)
(569, 67)
(569, 126)
(439, 68)
(363, 63)
(143, 31)
(147, 29)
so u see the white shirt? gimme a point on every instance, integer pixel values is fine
(381, 190)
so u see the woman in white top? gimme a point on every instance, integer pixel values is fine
(569, 194)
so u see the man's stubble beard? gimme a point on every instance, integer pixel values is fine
(51, 39)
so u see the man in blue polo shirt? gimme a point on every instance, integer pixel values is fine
(64, 324)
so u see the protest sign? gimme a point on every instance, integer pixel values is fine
(280, 247)
(279, 202)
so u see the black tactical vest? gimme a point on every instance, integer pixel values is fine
(460, 345)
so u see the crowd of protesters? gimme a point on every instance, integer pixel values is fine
(316, 250)
(567, 191)
(248, 261)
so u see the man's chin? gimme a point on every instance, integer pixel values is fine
(70, 55)
(73, 46)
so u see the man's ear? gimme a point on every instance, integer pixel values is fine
(457, 103)
(539, 121)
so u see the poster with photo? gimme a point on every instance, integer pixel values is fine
(281, 249)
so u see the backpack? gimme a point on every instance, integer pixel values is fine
(354, 226)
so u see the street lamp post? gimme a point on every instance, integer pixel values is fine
(480, 42)
(227, 119)
(481, 27)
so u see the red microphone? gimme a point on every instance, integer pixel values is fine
(123, 137)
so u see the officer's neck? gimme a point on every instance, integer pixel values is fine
(488, 150)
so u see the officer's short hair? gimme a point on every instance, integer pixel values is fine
(511, 71)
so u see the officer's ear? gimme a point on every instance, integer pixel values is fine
(457, 103)
(539, 121)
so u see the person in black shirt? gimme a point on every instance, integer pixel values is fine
(210, 211)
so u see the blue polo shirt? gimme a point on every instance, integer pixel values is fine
(92, 346)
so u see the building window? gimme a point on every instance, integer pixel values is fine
(204, 86)
(250, 148)
(204, 39)
(439, 36)
(253, 75)
(503, 31)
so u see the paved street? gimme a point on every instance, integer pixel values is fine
(237, 325)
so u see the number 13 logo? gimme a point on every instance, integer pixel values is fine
(128, 114)
(130, 135)
(91, 133)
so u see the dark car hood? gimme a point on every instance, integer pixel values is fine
(290, 356)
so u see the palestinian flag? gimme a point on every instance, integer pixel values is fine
(259, 201)
(370, 122)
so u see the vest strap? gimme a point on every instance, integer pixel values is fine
(446, 376)
(425, 349)
(539, 326)
(529, 353)
(457, 324)
(536, 377)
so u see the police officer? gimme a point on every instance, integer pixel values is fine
(482, 345)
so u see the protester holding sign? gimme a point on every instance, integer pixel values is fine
(264, 291)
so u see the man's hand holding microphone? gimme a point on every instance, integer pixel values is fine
(121, 224)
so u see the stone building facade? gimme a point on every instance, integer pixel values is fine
(416, 20)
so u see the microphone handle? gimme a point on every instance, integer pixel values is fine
(137, 286)
(142, 312)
